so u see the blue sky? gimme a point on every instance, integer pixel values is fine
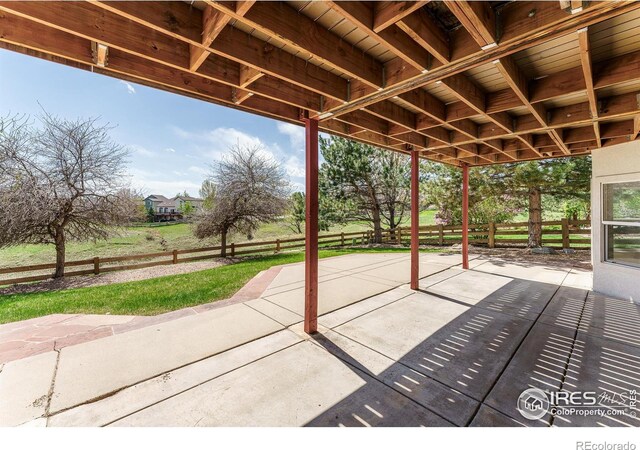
(172, 139)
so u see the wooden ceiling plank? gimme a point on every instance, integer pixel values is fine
(478, 19)
(423, 30)
(394, 39)
(585, 59)
(283, 23)
(388, 13)
(248, 75)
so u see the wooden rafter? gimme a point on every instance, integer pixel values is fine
(587, 69)
(303, 65)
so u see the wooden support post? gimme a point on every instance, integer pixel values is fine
(277, 245)
(311, 227)
(175, 257)
(465, 216)
(96, 265)
(565, 233)
(492, 234)
(415, 221)
(342, 239)
(440, 234)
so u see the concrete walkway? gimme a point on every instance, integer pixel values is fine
(458, 352)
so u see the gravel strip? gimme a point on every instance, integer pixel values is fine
(113, 277)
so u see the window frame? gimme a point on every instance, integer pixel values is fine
(606, 223)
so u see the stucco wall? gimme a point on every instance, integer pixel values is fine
(612, 164)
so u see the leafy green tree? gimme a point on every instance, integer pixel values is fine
(526, 182)
(207, 193)
(186, 209)
(442, 188)
(329, 213)
(365, 183)
(151, 214)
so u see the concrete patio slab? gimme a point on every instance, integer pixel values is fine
(541, 363)
(521, 298)
(275, 312)
(315, 388)
(489, 417)
(93, 369)
(610, 369)
(525, 271)
(332, 294)
(470, 286)
(470, 351)
(444, 401)
(611, 318)
(396, 329)
(565, 308)
(142, 395)
(24, 388)
(343, 315)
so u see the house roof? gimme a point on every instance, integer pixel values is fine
(459, 82)
(155, 197)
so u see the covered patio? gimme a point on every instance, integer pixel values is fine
(459, 351)
(361, 340)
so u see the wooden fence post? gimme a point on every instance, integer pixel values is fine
(233, 249)
(175, 256)
(96, 265)
(342, 239)
(277, 245)
(492, 234)
(440, 234)
(565, 233)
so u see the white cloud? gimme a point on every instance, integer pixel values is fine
(295, 133)
(215, 143)
(170, 150)
(156, 183)
(130, 88)
(294, 167)
(140, 150)
(199, 170)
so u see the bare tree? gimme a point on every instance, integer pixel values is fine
(248, 188)
(62, 181)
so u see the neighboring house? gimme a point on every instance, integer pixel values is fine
(168, 209)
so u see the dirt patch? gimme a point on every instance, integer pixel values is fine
(113, 277)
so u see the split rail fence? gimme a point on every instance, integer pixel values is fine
(559, 234)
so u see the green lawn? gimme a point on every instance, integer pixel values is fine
(152, 238)
(154, 296)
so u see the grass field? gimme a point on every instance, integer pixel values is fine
(153, 296)
(151, 238)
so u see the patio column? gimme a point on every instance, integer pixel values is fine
(311, 227)
(465, 216)
(415, 219)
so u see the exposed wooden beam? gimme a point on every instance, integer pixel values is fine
(519, 84)
(478, 19)
(283, 23)
(585, 59)
(362, 16)
(388, 13)
(423, 29)
(636, 128)
(520, 30)
(248, 75)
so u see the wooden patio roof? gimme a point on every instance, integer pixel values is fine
(459, 82)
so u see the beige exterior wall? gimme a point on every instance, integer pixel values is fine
(612, 164)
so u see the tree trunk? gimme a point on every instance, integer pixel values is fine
(535, 217)
(392, 224)
(377, 227)
(223, 244)
(60, 242)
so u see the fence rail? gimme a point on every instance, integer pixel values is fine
(569, 234)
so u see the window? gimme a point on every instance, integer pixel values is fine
(621, 220)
